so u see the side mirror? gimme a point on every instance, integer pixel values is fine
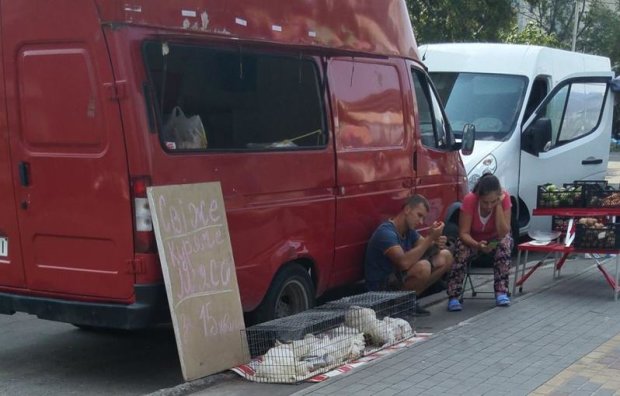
(469, 138)
(615, 84)
(537, 137)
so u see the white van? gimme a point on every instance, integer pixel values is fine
(499, 87)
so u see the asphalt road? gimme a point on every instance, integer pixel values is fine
(39, 357)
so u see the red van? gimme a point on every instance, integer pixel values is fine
(316, 116)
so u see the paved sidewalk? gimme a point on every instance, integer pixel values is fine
(564, 340)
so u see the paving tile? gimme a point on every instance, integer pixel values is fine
(604, 392)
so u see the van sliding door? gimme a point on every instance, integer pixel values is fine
(373, 154)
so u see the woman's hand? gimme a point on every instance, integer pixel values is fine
(484, 247)
(441, 242)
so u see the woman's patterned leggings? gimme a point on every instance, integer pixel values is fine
(464, 254)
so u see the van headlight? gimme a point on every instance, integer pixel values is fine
(488, 164)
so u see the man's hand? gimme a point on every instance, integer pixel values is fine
(441, 242)
(436, 230)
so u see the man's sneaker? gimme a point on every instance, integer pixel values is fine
(454, 305)
(419, 311)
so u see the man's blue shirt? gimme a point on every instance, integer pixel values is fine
(377, 266)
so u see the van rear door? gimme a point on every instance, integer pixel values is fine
(11, 269)
(579, 113)
(68, 158)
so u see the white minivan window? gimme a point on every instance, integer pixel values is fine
(491, 102)
(583, 110)
(574, 111)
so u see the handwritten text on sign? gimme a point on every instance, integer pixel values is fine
(198, 266)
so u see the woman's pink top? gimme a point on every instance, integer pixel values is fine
(479, 231)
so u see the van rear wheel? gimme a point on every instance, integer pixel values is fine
(291, 292)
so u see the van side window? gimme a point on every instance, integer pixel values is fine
(583, 110)
(574, 111)
(220, 99)
(540, 88)
(433, 128)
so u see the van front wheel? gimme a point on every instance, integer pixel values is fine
(291, 292)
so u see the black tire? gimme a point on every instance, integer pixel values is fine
(290, 292)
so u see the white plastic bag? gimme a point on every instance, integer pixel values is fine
(182, 132)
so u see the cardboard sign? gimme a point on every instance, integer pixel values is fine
(199, 272)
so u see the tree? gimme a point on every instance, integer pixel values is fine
(603, 33)
(555, 16)
(532, 34)
(460, 21)
(598, 24)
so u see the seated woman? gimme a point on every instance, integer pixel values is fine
(484, 227)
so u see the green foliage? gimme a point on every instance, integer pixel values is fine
(554, 16)
(602, 35)
(460, 20)
(550, 24)
(532, 34)
(598, 25)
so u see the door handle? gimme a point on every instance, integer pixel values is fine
(591, 161)
(24, 173)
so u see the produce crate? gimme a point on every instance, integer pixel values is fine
(592, 184)
(560, 223)
(609, 197)
(559, 197)
(603, 238)
(570, 195)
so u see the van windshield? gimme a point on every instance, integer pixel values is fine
(492, 102)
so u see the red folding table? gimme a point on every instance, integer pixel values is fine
(562, 249)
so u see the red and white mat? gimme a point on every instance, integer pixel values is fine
(247, 371)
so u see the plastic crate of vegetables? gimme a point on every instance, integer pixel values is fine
(591, 233)
(552, 196)
(608, 197)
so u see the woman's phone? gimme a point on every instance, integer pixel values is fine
(492, 244)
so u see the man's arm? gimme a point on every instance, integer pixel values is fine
(405, 260)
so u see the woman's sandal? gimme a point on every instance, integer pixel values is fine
(454, 305)
(502, 300)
